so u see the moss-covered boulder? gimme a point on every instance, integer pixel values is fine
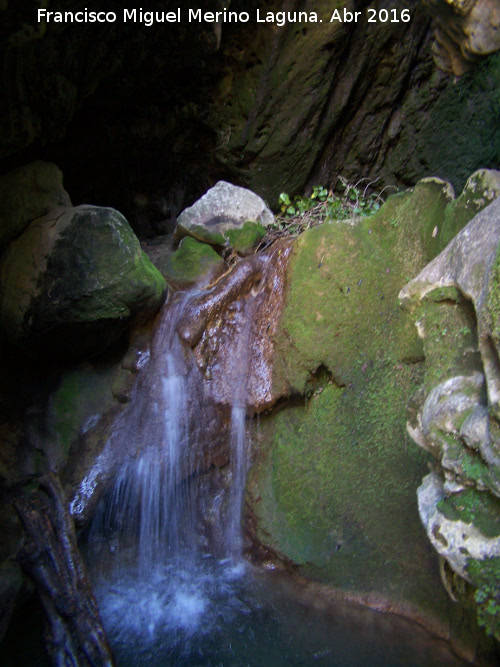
(333, 488)
(481, 189)
(226, 215)
(192, 262)
(74, 281)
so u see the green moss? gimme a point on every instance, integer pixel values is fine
(342, 301)
(494, 298)
(190, 262)
(430, 202)
(244, 239)
(82, 396)
(450, 340)
(338, 495)
(204, 235)
(485, 576)
(444, 294)
(472, 506)
(336, 492)
(475, 469)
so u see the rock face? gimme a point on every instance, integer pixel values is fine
(367, 101)
(456, 413)
(331, 362)
(320, 493)
(28, 193)
(226, 213)
(74, 281)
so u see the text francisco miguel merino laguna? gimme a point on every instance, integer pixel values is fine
(225, 16)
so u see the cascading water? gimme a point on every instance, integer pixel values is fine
(150, 501)
(161, 577)
(168, 594)
(238, 439)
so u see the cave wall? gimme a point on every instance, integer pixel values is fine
(164, 111)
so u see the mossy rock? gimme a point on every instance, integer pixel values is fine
(74, 281)
(441, 216)
(192, 262)
(472, 506)
(226, 213)
(81, 398)
(334, 489)
(245, 239)
(479, 191)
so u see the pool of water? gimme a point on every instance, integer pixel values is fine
(216, 614)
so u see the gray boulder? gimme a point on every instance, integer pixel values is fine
(222, 211)
(74, 281)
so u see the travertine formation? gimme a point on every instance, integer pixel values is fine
(456, 413)
(465, 30)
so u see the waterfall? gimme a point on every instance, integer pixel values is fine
(149, 509)
(169, 595)
(153, 566)
(238, 437)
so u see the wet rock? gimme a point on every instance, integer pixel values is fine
(222, 215)
(28, 193)
(246, 304)
(74, 282)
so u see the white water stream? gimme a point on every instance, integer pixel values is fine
(151, 565)
(165, 598)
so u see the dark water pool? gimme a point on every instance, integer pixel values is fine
(214, 614)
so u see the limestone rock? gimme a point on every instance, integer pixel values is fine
(456, 537)
(465, 30)
(221, 212)
(470, 264)
(455, 300)
(28, 193)
(74, 281)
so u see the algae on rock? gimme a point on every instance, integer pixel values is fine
(333, 486)
(456, 412)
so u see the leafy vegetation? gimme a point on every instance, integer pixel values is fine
(300, 213)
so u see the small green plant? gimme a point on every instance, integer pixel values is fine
(301, 205)
(300, 213)
(324, 204)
